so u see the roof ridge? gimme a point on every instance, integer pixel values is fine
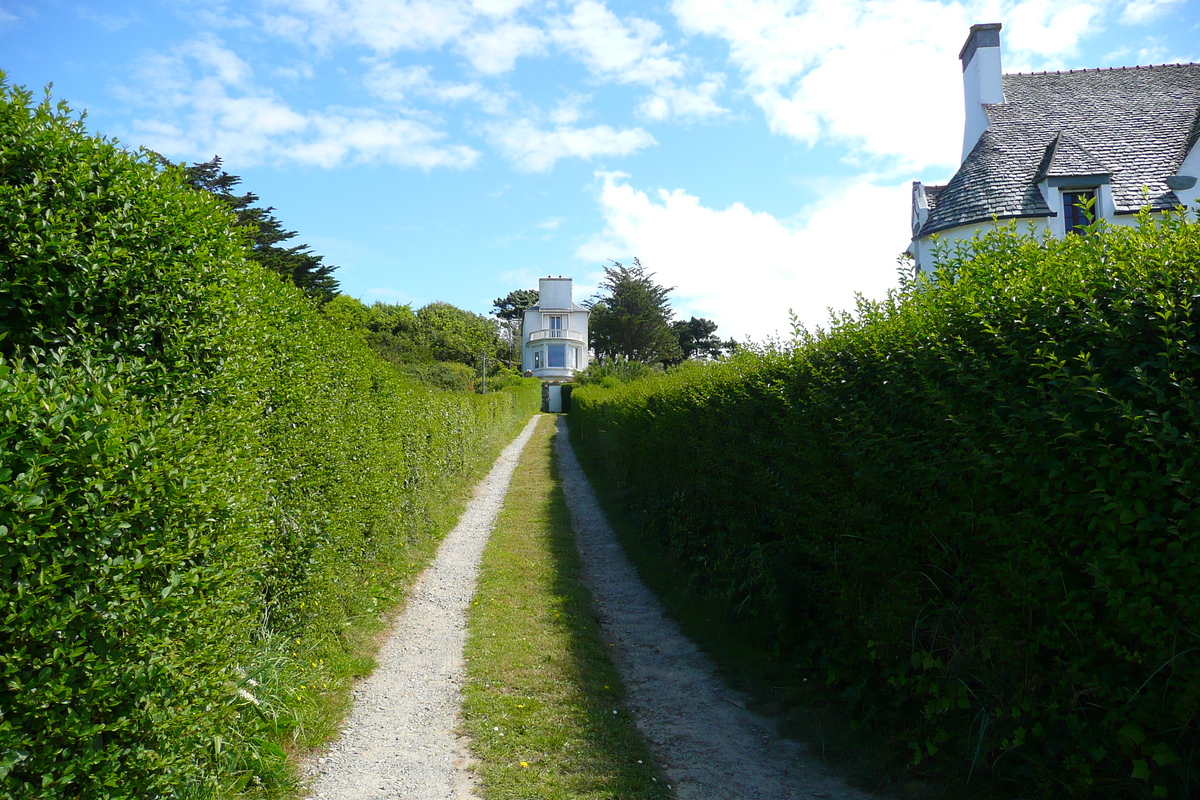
(1103, 69)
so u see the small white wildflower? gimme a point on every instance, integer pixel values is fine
(248, 696)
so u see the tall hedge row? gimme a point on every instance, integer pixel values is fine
(971, 511)
(199, 477)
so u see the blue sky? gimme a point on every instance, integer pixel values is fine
(756, 154)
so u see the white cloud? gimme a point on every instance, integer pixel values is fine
(366, 137)
(221, 110)
(569, 110)
(878, 76)
(1139, 12)
(398, 84)
(611, 48)
(746, 269)
(496, 51)
(499, 8)
(696, 102)
(1046, 30)
(871, 76)
(386, 26)
(1154, 54)
(533, 149)
(301, 70)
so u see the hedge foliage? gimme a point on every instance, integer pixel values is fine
(971, 511)
(202, 481)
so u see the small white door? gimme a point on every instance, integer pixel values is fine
(555, 403)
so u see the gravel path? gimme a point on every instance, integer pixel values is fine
(710, 746)
(399, 741)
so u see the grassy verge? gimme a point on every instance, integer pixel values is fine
(868, 761)
(543, 704)
(312, 715)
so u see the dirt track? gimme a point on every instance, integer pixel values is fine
(400, 739)
(707, 742)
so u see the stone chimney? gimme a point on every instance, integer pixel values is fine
(982, 84)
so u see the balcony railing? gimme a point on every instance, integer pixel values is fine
(556, 333)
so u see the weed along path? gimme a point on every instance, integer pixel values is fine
(400, 741)
(708, 744)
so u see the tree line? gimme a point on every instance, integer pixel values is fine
(632, 325)
(632, 322)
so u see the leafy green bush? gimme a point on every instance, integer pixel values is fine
(202, 481)
(970, 511)
(612, 372)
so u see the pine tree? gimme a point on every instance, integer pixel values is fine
(297, 264)
(631, 318)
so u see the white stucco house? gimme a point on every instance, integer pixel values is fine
(554, 333)
(1037, 145)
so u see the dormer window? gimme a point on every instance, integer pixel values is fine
(1079, 209)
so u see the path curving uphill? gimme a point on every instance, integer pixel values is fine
(709, 745)
(400, 740)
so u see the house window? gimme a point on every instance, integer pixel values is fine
(537, 359)
(1079, 209)
(556, 355)
(554, 322)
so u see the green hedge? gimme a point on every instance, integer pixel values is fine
(969, 511)
(202, 482)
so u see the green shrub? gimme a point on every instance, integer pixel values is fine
(970, 511)
(202, 480)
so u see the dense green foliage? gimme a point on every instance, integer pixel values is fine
(631, 317)
(202, 481)
(439, 344)
(971, 511)
(614, 371)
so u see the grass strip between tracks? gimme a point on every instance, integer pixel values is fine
(543, 704)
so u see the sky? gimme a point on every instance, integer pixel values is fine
(756, 155)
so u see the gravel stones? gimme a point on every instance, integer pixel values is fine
(400, 741)
(708, 744)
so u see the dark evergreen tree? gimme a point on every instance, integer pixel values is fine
(513, 305)
(698, 339)
(631, 318)
(297, 264)
(510, 310)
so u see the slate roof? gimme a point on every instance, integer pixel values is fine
(1066, 158)
(1134, 124)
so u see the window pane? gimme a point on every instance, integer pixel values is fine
(556, 355)
(1075, 219)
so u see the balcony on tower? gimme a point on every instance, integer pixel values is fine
(554, 333)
